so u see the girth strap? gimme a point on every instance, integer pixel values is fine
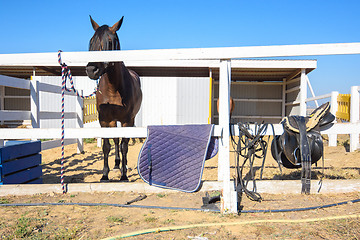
(305, 154)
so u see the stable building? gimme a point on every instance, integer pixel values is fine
(186, 91)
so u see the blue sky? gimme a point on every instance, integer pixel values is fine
(47, 26)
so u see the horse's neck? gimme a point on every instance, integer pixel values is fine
(116, 77)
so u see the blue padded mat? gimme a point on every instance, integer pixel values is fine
(174, 156)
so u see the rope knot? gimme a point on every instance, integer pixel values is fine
(66, 73)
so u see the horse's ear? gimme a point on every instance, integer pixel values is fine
(94, 24)
(117, 25)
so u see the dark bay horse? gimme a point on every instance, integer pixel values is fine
(119, 95)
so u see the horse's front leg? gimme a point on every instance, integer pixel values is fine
(117, 155)
(124, 151)
(106, 150)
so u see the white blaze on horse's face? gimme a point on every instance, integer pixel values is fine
(104, 39)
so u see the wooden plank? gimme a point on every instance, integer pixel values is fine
(57, 115)
(56, 143)
(138, 132)
(90, 100)
(343, 116)
(344, 98)
(19, 164)
(23, 176)
(17, 149)
(90, 118)
(82, 58)
(11, 115)
(14, 82)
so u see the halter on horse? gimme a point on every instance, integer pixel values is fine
(119, 95)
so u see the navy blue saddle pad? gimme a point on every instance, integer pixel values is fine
(174, 156)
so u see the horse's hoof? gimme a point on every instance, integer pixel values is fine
(124, 179)
(104, 179)
(116, 169)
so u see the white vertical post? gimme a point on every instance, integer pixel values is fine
(333, 110)
(211, 101)
(229, 198)
(2, 107)
(303, 93)
(80, 121)
(311, 90)
(283, 103)
(34, 102)
(354, 116)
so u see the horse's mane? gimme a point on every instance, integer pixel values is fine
(104, 40)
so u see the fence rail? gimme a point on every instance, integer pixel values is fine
(35, 114)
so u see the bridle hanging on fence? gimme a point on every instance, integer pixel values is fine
(250, 145)
(66, 73)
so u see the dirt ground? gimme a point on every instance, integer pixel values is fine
(96, 222)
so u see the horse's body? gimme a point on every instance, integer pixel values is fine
(119, 95)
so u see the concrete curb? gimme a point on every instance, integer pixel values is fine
(264, 186)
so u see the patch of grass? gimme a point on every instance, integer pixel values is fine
(4, 201)
(23, 228)
(160, 195)
(215, 193)
(66, 233)
(89, 140)
(115, 219)
(150, 219)
(61, 201)
(168, 221)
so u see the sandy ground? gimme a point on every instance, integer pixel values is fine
(96, 222)
(87, 167)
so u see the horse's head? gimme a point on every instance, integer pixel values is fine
(104, 39)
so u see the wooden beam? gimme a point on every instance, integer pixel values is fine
(81, 58)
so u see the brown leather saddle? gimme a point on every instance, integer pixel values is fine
(301, 143)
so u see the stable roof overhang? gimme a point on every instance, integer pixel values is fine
(242, 70)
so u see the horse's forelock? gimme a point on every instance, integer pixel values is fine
(104, 39)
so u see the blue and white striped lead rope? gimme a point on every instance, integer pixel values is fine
(65, 73)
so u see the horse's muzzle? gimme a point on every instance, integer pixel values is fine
(94, 70)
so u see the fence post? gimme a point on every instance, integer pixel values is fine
(303, 93)
(2, 101)
(229, 198)
(34, 102)
(80, 121)
(354, 116)
(2, 107)
(333, 110)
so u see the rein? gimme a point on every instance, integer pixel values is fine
(250, 145)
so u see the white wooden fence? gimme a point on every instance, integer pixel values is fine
(35, 114)
(224, 55)
(354, 116)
